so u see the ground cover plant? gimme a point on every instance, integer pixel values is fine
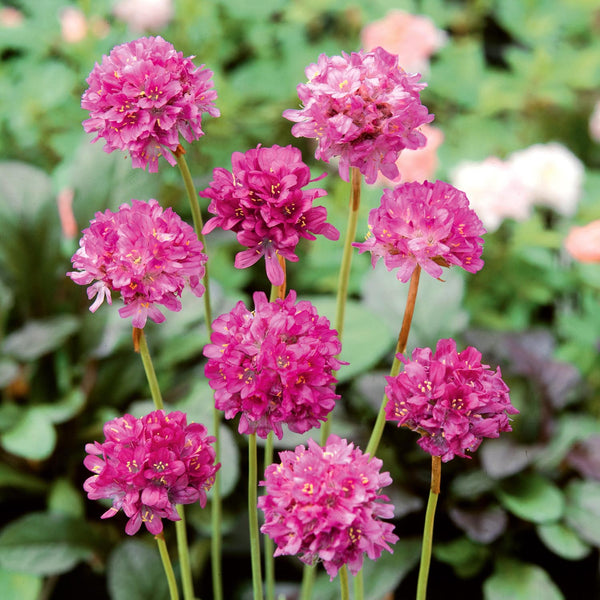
(317, 280)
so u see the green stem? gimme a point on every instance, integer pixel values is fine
(216, 508)
(141, 345)
(198, 224)
(345, 265)
(434, 492)
(400, 349)
(184, 556)
(268, 542)
(253, 518)
(344, 587)
(168, 567)
(308, 580)
(359, 586)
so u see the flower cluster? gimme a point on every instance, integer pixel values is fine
(547, 175)
(362, 107)
(263, 201)
(325, 504)
(147, 466)
(274, 365)
(426, 224)
(450, 398)
(144, 252)
(143, 95)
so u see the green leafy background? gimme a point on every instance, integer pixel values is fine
(521, 520)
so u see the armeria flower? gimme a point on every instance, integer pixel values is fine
(362, 107)
(143, 96)
(325, 504)
(145, 253)
(274, 365)
(450, 398)
(426, 224)
(262, 199)
(147, 466)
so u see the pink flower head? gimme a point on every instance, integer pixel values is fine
(325, 504)
(143, 95)
(144, 252)
(362, 107)
(426, 224)
(583, 243)
(273, 365)
(414, 38)
(450, 398)
(262, 199)
(147, 466)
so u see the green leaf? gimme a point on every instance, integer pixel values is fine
(532, 497)
(583, 509)
(25, 190)
(65, 499)
(33, 437)
(465, 556)
(366, 337)
(65, 408)
(40, 337)
(514, 580)
(19, 586)
(563, 541)
(135, 572)
(14, 478)
(45, 544)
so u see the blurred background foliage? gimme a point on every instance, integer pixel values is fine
(521, 520)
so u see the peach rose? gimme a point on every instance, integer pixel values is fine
(145, 15)
(583, 243)
(414, 38)
(73, 25)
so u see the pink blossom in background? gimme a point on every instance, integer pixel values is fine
(264, 200)
(64, 203)
(414, 38)
(11, 17)
(147, 466)
(551, 174)
(494, 190)
(450, 398)
(594, 124)
(274, 365)
(145, 15)
(420, 164)
(143, 96)
(73, 25)
(325, 504)
(143, 252)
(426, 224)
(363, 108)
(583, 243)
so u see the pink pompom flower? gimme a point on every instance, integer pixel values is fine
(263, 200)
(273, 365)
(325, 504)
(145, 253)
(147, 466)
(450, 398)
(145, 94)
(362, 107)
(426, 224)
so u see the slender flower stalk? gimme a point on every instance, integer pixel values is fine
(141, 345)
(168, 567)
(216, 507)
(434, 492)
(184, 555)
(344, 587)
(257, 584)
(400, 349)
